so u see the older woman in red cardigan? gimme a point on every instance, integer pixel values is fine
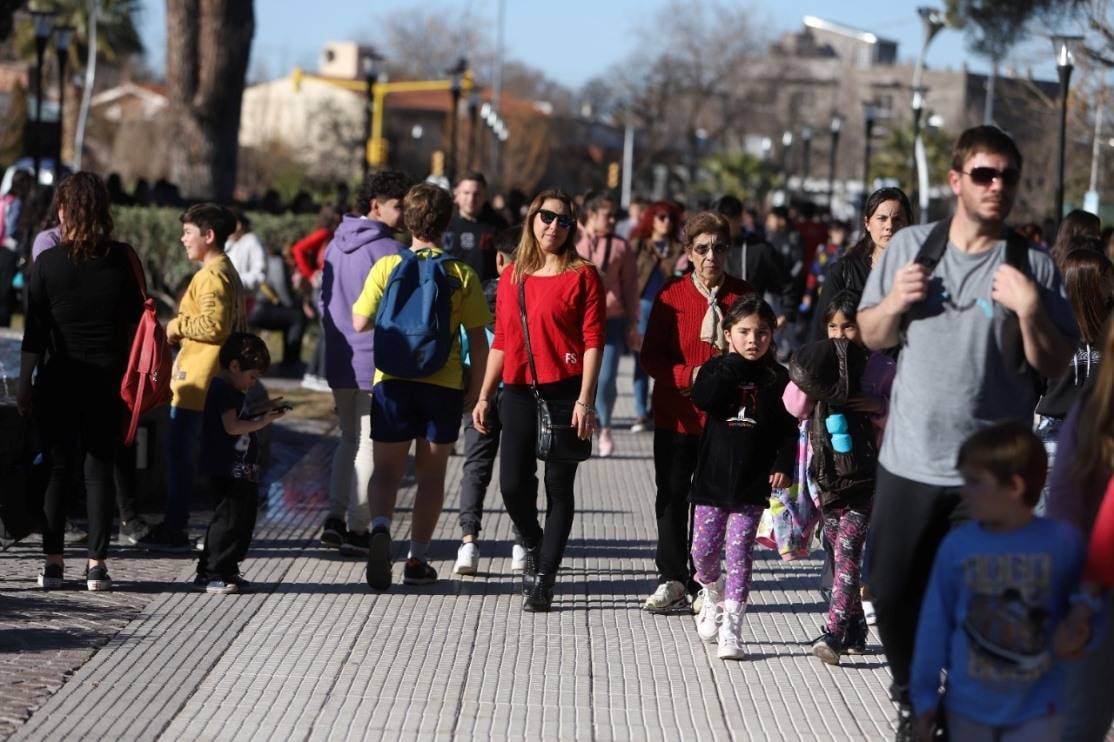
(683, 333)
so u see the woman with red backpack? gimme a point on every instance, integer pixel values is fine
(84, 301)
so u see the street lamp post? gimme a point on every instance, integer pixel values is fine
(1065, 63)
(62, 37)
(869, 114)
(41, 20)
(933, 20)
(457, 71)
(371, 76)
(835, 127)
(786, 147)
(473, 126)
(806, 155)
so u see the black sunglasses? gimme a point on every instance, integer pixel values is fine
(718, 247)
(564, 221)
(984, 176)
(664, 216)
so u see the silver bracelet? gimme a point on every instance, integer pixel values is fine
(590, 408)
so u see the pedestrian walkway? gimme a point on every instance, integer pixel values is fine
(313, 654)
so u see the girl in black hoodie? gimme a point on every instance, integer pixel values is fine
(747, 448)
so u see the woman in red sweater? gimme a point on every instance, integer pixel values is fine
(565, 315)
(682, 335)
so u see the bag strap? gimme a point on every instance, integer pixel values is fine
(137, 270)
(606, 256)
(526, 336)
(1017, 253)
(934, 246)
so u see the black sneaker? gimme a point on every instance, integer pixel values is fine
(855, 640)
(50, 578)
(242, 585)
(904, 731)
(199, 583)
(133, 530)
(218, 586)
(332, 533)
(418, 572)
(539, 599)
(379, 559)
(97, 579)
(355, 544)
(828, 648)
(531, 570)
(167, 541)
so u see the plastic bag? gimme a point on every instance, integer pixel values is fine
(794, 512)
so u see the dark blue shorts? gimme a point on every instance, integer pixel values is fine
(403, 410)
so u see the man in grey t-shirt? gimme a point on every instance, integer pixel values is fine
(955, 374)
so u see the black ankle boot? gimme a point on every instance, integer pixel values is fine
(540, 597)
(530, 572)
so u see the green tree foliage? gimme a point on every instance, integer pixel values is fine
(117, 35)
(894, 159)
(995, 26)
(737, 173)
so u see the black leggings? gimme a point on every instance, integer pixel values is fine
(80, 410)
(518, 468)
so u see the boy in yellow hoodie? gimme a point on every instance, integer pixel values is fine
(211, 310)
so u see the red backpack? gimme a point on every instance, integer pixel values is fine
(146, 382)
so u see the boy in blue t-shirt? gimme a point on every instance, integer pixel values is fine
(230, 458)
(999, 586)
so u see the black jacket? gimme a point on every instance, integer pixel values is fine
(1071, 385)
(758, 264)
(849, 273)
(748, 434)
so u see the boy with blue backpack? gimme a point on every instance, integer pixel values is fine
(416, 302)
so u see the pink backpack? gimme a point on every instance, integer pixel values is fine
(146, 382)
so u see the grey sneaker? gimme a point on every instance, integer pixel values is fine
(668, 597)
(131, 531)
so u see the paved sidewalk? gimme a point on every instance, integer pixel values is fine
(313, 654)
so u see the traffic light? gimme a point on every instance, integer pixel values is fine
(437, 163)
(613, 175)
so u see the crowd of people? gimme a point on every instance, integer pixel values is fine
(940, 392)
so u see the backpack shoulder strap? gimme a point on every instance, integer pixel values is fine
(137, 269)
(1017, 253)
(934, 246)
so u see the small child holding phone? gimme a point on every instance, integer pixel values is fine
(230, 458)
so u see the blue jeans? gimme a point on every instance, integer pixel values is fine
(181, 463)
(616, 341)
(641, 379)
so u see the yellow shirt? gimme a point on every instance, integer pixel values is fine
(469, 310)
(211, 310)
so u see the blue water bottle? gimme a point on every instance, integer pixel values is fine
(836, 424)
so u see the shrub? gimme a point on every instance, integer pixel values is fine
(155, 233)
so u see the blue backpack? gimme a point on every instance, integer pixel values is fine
(413, 332)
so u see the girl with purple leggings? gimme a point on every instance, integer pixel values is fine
(748, 446)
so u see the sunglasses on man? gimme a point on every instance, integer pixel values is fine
(563, 220)
(984, 176)
(719, 248)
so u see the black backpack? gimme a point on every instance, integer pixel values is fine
(1017, 255)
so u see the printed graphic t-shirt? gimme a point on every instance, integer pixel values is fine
(992, 603)
(224, 455)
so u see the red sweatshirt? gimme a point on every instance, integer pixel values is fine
(672, 349)
(1100, 552)
(565, 314)
(309, 252)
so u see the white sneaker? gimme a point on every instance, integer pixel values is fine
(711, 611)
(467, 559)
(315, 383)
(518, 558)
(868, 613)
(731, 632)
(666, 599)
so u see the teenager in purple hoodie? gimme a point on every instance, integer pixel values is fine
(359, 241)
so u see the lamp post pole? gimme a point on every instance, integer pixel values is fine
(806, 155)
(41, 20)
(456, 86)
(371, 76)
(62, 37)
(868, 140)
(835, 127)
(933, 20)
(786, 146)
(1065, 63)
(473, 127)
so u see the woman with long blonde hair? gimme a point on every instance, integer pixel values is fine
(564, 313)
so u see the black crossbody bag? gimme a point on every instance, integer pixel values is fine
(556, 440)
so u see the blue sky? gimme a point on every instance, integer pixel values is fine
(573, 40)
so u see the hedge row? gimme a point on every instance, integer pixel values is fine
(156, 235)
